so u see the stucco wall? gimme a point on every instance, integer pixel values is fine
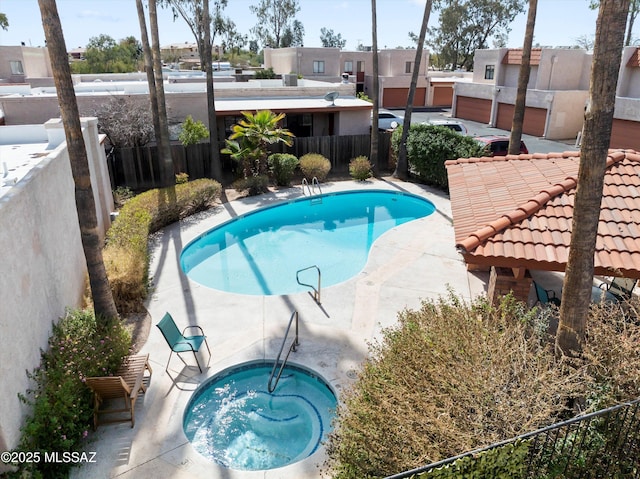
(354, 122)
(42, 262)
(567, 114)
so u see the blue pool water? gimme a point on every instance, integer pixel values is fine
(233, 420)
(259, 253)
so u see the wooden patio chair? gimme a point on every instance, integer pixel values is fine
(620, 288)
(127, 384)
(546, 296)
(178, 342)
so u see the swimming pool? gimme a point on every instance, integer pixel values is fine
(233, 420)
(260, 252)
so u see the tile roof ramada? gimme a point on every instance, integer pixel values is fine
(516, 211)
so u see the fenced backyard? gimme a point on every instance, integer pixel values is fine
(138, 168)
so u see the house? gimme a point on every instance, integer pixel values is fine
(513, 214)
(625, 131)
(43, 264)
(556, 96)
(20, 64)
(330, 64)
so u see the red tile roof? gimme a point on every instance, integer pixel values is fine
(634, 59)
(516, 211)
(513, 56)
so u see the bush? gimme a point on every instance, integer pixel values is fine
(125, 255)
(315, 165)
(282, 166)
(61, 404)
(456, 377)
(265, 74)
(360, 168)
(429, 146)
(254, 184)
(192, 132)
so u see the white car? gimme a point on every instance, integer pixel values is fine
(454, 125)
(387, 120)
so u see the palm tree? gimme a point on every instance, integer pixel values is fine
(164, 146)
(576, 291)
(249, 142)
(402, 165)
(103, 304)
(523, 80)
(216, 168)
(148, 68)
(376, 88)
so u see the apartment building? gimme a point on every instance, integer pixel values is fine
(557, 91)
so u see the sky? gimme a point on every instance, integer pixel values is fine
(558, 22)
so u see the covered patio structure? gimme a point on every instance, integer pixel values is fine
(512, 215)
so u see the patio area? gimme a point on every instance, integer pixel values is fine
(411, 262)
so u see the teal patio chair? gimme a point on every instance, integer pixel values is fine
(546, 296)
(178, 342)
(620, 288)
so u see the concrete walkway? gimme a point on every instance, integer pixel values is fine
(411, 262)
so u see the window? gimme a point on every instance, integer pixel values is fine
(489, 71)
(348, 66)
(360, 66)
(318, 66)
(407, 67)
(16, 67)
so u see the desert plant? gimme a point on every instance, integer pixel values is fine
(126, 122)
(315, 165)
(249, 140)
(61, 406)
(192, 131)
(360, 168)
(125, 255)
(282, 166)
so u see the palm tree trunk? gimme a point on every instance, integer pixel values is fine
(402, 165)
(376, 89)
(148, 68)
(523, 81)
(576, 291)
(164, 146)
(103, 304)
(216, 168)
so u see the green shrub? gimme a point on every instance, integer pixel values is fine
(182, 178)
(282, 166)
(61, 405)
(254, 184)
(429, 146)
(125, 256)
(314, 165)
(192, 132)
(360, 168)
(265, 74)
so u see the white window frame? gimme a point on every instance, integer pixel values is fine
(318, 66)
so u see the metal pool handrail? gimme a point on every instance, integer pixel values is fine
(312, 189)
(316, 291)
(292, 347)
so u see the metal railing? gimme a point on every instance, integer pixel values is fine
(311, 188)
(605, 443)
(271, 386)
(316, 290)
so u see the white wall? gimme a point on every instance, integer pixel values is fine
(43, 265)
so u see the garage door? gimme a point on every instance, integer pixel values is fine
(474, 109)
(534, 119)
(625, 134)
(442, 95)
(397, 97)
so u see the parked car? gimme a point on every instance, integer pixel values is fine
(387, 120)
(454, 125)
(498, 145)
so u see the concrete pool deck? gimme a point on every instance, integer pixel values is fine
(409, 263)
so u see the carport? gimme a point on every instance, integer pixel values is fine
(513, 214)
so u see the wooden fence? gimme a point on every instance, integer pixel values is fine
(138, 168)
